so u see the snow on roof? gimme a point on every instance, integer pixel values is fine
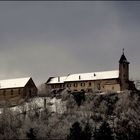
(13, 83)
(86, 76)
(57, 80)
(93, 76)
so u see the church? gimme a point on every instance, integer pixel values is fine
(114, 80)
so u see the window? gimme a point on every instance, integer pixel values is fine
(68, 85)
(89, 83)
(75, 84)
(19, 91)
(82, 84)
(11, 92)
(4, 92)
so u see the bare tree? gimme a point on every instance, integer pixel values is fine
(137, 84)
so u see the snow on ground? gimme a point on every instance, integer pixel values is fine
(53, 105)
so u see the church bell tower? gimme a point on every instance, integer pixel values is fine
(124, 72)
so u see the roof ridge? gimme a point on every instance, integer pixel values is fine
(15, 78)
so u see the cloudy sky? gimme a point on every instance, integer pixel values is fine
(43, 39)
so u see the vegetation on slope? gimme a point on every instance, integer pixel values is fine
(88, 117)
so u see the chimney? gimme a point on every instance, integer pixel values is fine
(79, 77)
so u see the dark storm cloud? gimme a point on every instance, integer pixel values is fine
(42, 39)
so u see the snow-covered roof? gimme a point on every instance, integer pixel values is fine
(13, 83)
(57, 80)
(86, 76)
(93, 76)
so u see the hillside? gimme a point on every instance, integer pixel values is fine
(87, 116)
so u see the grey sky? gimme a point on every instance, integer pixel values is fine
(43, 39)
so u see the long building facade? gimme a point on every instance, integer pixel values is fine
(116, 80)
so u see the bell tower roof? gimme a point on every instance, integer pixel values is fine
(123, 58)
